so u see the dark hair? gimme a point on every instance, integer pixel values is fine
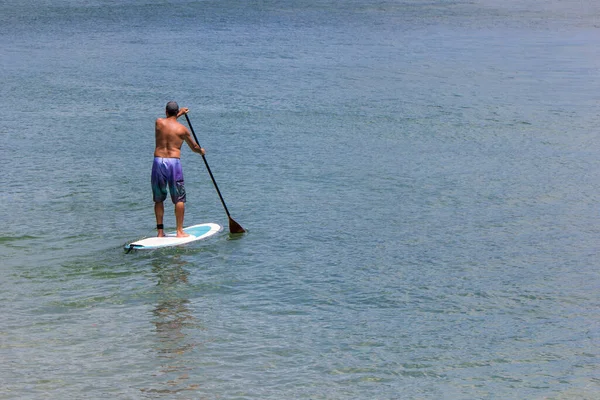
(172, 108)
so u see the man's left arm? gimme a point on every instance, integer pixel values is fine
(193, 145)
(182, 110)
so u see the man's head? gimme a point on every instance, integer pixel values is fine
(172, 109)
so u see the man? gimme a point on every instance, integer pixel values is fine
(166, 169)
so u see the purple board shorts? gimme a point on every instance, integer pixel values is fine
(167, 173)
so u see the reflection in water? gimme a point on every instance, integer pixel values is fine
(172, 317)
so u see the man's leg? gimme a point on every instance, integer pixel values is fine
(159, 211)
(179, 211)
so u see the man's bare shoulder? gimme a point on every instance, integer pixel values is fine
(181, 128)
(169, 124)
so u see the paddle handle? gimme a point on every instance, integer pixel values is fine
(207, 167)
(234, 227)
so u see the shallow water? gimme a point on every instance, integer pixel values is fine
(419, 182)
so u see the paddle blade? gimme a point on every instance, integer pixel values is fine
(234, 227)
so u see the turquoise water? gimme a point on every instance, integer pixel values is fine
(419, 181)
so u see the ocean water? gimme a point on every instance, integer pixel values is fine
(419, 181)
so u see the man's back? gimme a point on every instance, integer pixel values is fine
(170, 135)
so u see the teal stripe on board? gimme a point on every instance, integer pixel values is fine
(198, 230)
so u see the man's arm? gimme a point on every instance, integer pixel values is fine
(187, 137)
(193, 145)
(182, 110)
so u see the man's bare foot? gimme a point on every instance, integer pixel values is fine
(182, 234)
(161, 234)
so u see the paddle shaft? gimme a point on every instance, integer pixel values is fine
(234, 227)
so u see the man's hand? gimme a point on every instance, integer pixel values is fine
(182, 110)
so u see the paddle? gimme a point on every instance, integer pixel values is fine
(234, 227)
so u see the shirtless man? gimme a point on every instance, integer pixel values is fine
(166, 169)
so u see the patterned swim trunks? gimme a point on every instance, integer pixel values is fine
(167, 173)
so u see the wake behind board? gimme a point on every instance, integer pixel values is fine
(196, 232)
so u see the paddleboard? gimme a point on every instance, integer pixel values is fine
(196, 232)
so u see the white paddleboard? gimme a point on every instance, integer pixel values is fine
(196, 232)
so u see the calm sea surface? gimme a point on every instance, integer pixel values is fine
(420, 182)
